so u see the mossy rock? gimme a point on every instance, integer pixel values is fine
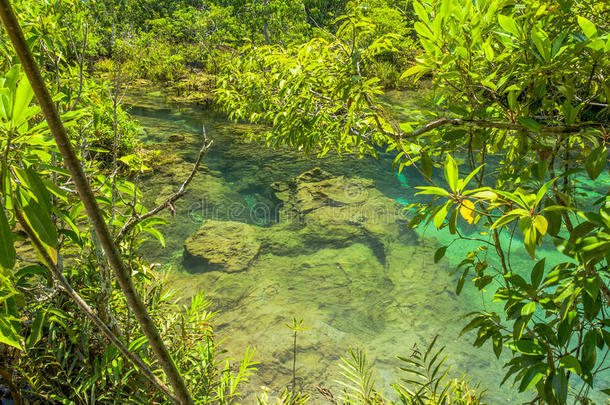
(221, 246)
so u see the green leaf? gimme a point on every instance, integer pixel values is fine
(592, 286)
(541, 224)
(8, 334)
(470, 176)
(461, 281)
(414, 70)
(528, 309)
(420, 11)
(508, 24)
(439, 254)
(433, 191)
(587, 27)
(23, 98)
(7, 248)
(596, 162)
(560, 386)
(426, 164)
(504, 220)
(36, 332)
(529, 123)
(40, 221)
(570, 363)
(537, 273)
(532, 376)
(589, 351)
(527, 347)
(451, 173)
(440, 215)
(453, 222)
(423, 30)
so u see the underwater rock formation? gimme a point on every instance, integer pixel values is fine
(317, 211)
(335, 211)
(221, 245)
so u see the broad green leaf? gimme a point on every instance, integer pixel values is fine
(589, 351)
(529, 123)
(541, 224)
(23, 98)
(433, 191)
(503, 220)
(8, 334)
(451, 173)
(469, 177)
(439, 254)
(426, 164)
(423, 30)
(592, 286)
(420, 11)
(40, 221)
(508, 24)
(441, 214)
(7, 248)
(414, 70)
(453, 222)
(528, 309)
(560, 386)
(527, 347)
(532, 376)
(570, 363)
(537, 273)
(587, 27)
(596, 162)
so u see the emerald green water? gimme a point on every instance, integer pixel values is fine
(346, 296)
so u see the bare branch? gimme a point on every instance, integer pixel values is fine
(136, 218)
(559, 129)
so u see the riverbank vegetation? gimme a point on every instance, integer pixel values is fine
(513, 152)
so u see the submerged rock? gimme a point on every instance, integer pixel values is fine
(335, 211)
(318, 211)
(221, 245)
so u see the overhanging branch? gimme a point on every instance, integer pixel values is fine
(458, 122)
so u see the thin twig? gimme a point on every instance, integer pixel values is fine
(136, 219)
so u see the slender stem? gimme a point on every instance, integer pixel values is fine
(294, 363)
(135, 219)
(94, 213)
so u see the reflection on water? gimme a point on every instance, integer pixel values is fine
(324, 274)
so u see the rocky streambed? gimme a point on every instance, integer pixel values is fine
(270, 235)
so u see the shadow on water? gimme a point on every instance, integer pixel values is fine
(348, 293)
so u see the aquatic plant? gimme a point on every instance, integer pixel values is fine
(296, 327)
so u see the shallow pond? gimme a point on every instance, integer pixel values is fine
(346, 295)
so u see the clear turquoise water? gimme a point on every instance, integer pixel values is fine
(345, 296)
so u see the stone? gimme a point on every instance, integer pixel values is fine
(335, 211)
(176, 138)
(221, 246)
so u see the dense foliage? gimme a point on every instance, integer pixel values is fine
(514, 151)
(522, 106)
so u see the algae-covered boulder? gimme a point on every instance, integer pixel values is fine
(221, 245)
(335, 211)
(319, 211)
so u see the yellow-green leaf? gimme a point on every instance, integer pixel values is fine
(467, 211)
